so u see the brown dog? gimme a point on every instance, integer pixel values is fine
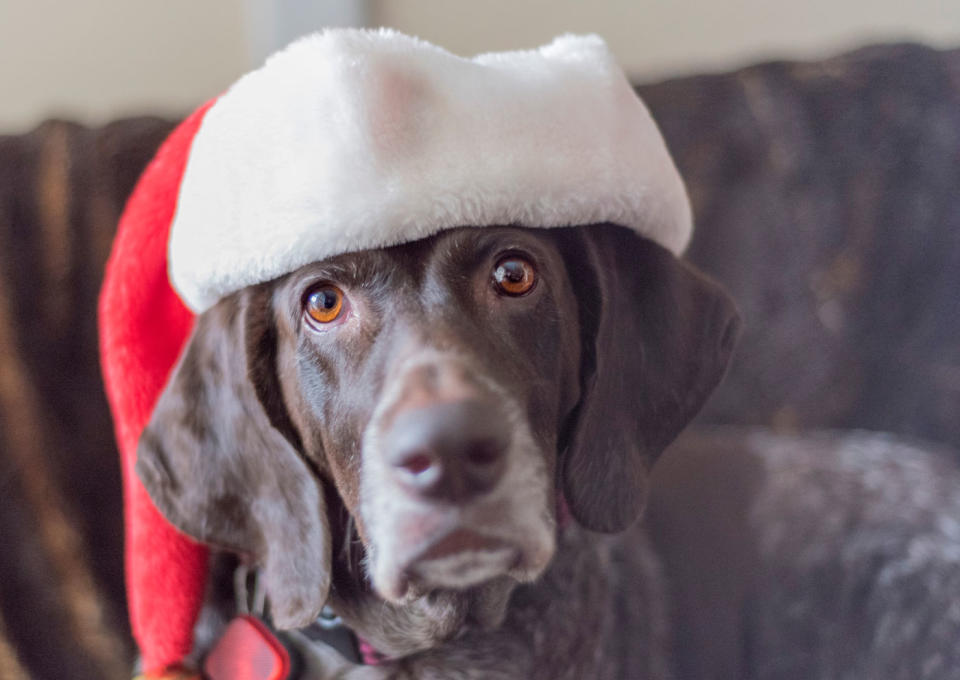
(446, 394)
(397, 433)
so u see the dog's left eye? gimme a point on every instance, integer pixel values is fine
(324, 303)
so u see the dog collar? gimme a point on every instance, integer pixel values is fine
(250, 649)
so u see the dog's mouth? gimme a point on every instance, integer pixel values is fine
(462, 541)
(453, 557)
(461, 559)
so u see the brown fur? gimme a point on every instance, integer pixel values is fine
(267, 424)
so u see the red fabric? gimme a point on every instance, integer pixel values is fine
(247, 651)
(143, 328)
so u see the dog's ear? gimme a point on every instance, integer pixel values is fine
(220, 458)
(656, 340)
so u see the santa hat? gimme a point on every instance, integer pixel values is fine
(348, 140)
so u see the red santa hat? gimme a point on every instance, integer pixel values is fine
(347, 140)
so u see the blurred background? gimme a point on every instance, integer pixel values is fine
(820, 144)
(95, 60)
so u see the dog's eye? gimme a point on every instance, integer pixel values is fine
(324, 303)
(515, 276)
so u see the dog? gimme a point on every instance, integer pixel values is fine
(446, 396)
(401, 433)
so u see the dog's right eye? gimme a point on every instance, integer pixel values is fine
(324, 303)
(514, 276)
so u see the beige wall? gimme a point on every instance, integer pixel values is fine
(657, 38)
(98, 59)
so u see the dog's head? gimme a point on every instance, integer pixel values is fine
(445, 393)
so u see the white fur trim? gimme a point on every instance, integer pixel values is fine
(353, 139)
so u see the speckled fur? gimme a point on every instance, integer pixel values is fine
(871, 583)
(824, 556)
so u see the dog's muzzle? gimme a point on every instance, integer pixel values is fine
(455, 490)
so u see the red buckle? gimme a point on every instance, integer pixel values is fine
(248, 650)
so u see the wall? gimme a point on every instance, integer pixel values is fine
(658, 38)
(97, 59)
(94, 60)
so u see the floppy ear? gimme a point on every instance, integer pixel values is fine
(220, 460)
(656, 340)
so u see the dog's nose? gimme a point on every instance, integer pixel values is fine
(449, 451)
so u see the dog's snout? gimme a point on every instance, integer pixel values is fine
(451, 451)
